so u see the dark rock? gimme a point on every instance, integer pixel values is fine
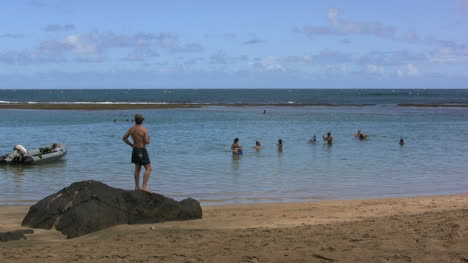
(15, 235)
(89, 206)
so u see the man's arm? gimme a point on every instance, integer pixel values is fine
(125, 138)
(147, 137)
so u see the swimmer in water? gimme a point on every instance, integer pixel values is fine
(329, 138)
(258, 145)
(360, 135)
(280, 145)
(313, 139)
(235, 147)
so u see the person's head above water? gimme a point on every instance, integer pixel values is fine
(329, 134)
(139, 118)
(257, 143)
(280, 141)
(236, 140)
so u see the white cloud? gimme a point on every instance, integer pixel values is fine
(339, 26)
(28, 57)
(391, 58)
(270, 63)
(323, 57)
(413, 71)
(342, 27)
(450, 53)
(410, 71)
(220, 57)
(92, 48)
(140, 54)
(374, 69)
(82, 44)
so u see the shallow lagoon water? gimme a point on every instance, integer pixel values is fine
(191, 156)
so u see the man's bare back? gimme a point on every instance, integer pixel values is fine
(140, 136)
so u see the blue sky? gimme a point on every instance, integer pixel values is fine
(233, 44)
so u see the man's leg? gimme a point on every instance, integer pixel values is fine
(137, 176)
(146, 176)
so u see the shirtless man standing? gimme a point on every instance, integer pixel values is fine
(140, 156)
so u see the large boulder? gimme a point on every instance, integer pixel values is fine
(89, 206)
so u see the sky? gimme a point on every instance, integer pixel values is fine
(78, 44)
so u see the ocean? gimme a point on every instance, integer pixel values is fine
(190, 148)
(241, 96)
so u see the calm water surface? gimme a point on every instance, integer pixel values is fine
(191, 157)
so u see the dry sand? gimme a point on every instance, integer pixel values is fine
(410, 229)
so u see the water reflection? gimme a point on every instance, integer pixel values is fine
(22, 170)
(236, 156)
(236, 163)
(328, 147)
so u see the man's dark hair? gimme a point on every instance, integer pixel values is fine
(139, 119)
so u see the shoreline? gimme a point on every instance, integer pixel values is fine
(131, 106)
(401, 229)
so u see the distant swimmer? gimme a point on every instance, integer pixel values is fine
(360, 135)
(280, 145)
(235, 147)
(402, 141)
(258, 145)
(264, 111)
(329, 138)
(313, 139)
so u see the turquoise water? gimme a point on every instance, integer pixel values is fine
(191, 157)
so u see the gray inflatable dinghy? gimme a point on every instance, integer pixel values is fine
(53, 152)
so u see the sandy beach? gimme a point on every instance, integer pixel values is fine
(408, 229)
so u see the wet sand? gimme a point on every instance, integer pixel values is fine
(409, 229)
(113, 106)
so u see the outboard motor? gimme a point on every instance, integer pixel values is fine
(20, 148)
(18, 153)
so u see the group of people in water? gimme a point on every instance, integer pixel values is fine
(237, 149)
(140, 158)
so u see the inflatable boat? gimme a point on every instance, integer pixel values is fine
(53, 152)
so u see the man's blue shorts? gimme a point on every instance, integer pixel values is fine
(140, 156)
